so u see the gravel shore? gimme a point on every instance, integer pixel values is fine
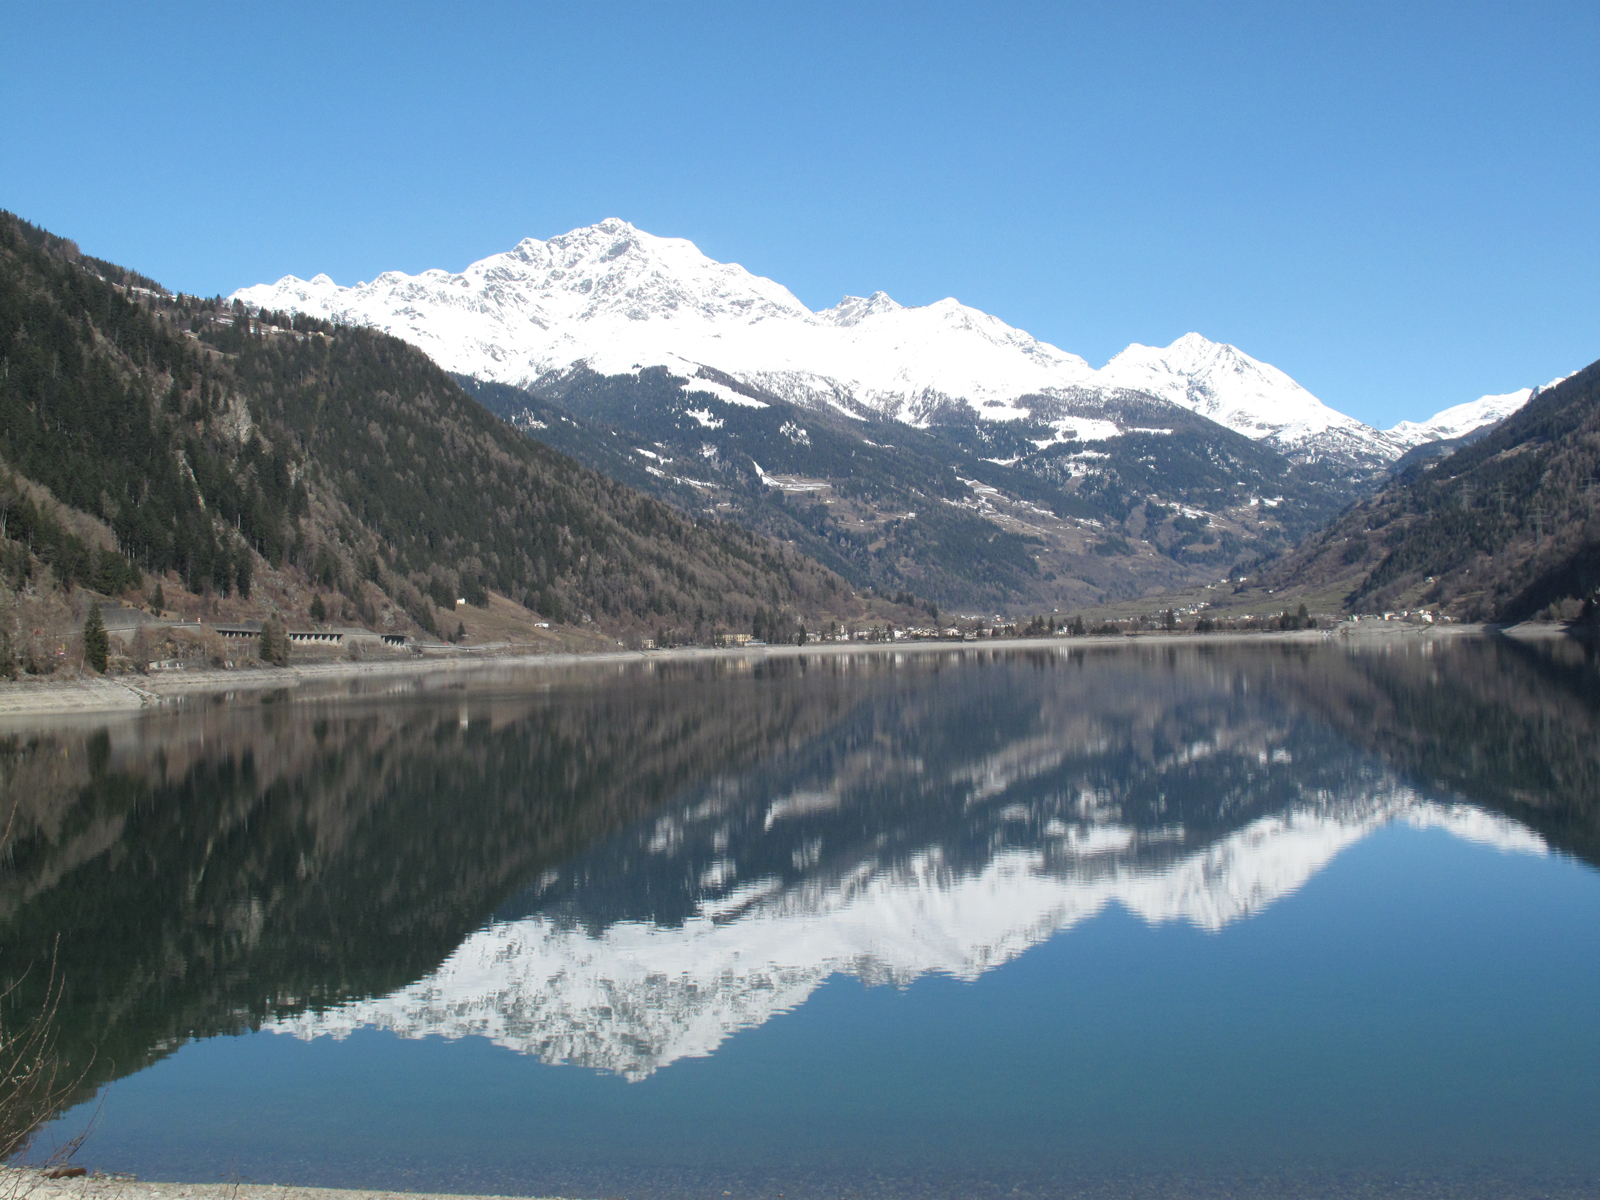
(29, 1184)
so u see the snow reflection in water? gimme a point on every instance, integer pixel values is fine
(638, 995)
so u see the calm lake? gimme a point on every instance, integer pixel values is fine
(1258, 919)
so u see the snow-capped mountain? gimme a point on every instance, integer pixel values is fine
(1462, 419)
(1250, 397)
(638, 995)
(617, 299)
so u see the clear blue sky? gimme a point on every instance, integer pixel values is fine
(1398, 204)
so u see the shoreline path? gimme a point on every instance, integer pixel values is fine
(125, 693)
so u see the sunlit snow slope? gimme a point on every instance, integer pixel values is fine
(1462, 419)
(617, 299)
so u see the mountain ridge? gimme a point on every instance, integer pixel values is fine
(617, 298)
(1460, 420)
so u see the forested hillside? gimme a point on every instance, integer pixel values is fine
(1504, 529)
(148, 439)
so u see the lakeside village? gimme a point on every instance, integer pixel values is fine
(112, 637)
(1190, 619)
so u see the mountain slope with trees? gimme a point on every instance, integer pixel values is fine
(1504, 529)
(147, 438)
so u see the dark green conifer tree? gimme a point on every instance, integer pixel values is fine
(96, 642)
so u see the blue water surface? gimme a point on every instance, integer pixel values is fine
(1422, 1005)
(1249, 920)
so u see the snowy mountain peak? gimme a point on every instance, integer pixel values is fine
(614, 297)
(1462, 419)
(1254, 398)
(852, 310)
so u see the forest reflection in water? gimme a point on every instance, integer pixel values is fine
(618, 869)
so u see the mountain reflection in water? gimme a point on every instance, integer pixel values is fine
(619, 869)
(635, 996)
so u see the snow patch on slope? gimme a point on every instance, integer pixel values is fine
(722, 392)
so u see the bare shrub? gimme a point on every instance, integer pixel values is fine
(145, 648)
(213, 650)
(34, 1083)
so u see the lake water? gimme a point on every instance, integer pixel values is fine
(1232, 919)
